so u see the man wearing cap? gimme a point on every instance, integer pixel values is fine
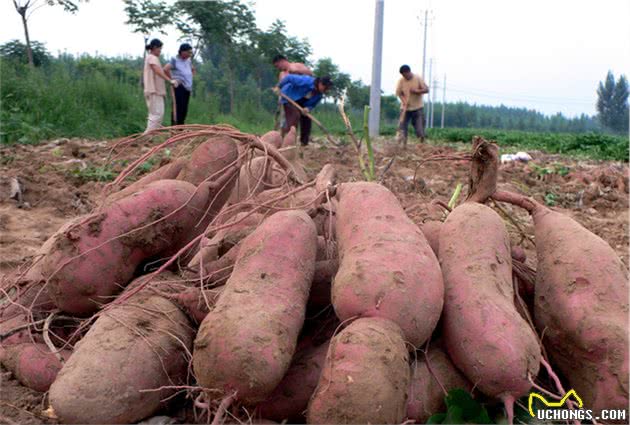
(180, 68)
(410, 89)
(307, 91)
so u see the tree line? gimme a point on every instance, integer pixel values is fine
(233, 59)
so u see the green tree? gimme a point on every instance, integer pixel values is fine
(390, 107)
(146, 16)
(226, 29)
(26, 8)
(358, 94)
(605, 106)
(620, 102)
(276, 41)
(14, 50)
(612, 103)
(341, 80)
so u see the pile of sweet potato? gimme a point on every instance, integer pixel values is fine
(225, 286)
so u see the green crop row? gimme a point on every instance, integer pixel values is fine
(587, 145)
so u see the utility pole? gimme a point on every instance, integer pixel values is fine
(424, 50)
(429, 97)
(443, 100)
(375, 88)
(434, 99)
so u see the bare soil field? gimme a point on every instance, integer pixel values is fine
(60, 180)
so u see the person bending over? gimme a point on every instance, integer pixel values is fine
(307, 91)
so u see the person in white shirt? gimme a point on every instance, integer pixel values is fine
(154, 87)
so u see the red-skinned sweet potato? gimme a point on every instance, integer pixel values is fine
(320, 297)
(581, 303)
(197, 302)
(365, 376)
(431, 231)
(254, 177)
(247, 341)
(426, 392)
(273, 137)
(290, 139)
(165, 172)
(131, 350)
(211, 249)
(290, 398)
(219, 271)
(386, 266)
(33, 364)
(208, 159)
(93, 259)
(485, 336)
(215, 163)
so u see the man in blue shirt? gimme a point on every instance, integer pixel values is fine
(306, 91)
(180, 68)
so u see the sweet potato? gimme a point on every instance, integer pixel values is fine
(246, 343)
(581, 302)
(254, 177)
(33, 364)
(214, 162)
(208, 159)
(431, 231)
(518, 253)
(278, 175)
(115, 372)
(223, 240)
(93, 259)
(218, 271)
(290, 139)
(291, 153)
(426, 392)
(14, 317)
(28, 295)
(326, 249)
(326, 221)
(273, 137)
(290, 398)
(320, 297)
(165, 172)
(197, 302)
(484, 334)
(386, 266)
(365, 376)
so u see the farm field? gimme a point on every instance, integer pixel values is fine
(64, 178)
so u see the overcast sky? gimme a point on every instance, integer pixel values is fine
(539, 54)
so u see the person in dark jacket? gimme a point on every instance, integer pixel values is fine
(307, 91)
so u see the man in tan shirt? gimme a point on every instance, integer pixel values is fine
(410, 89)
